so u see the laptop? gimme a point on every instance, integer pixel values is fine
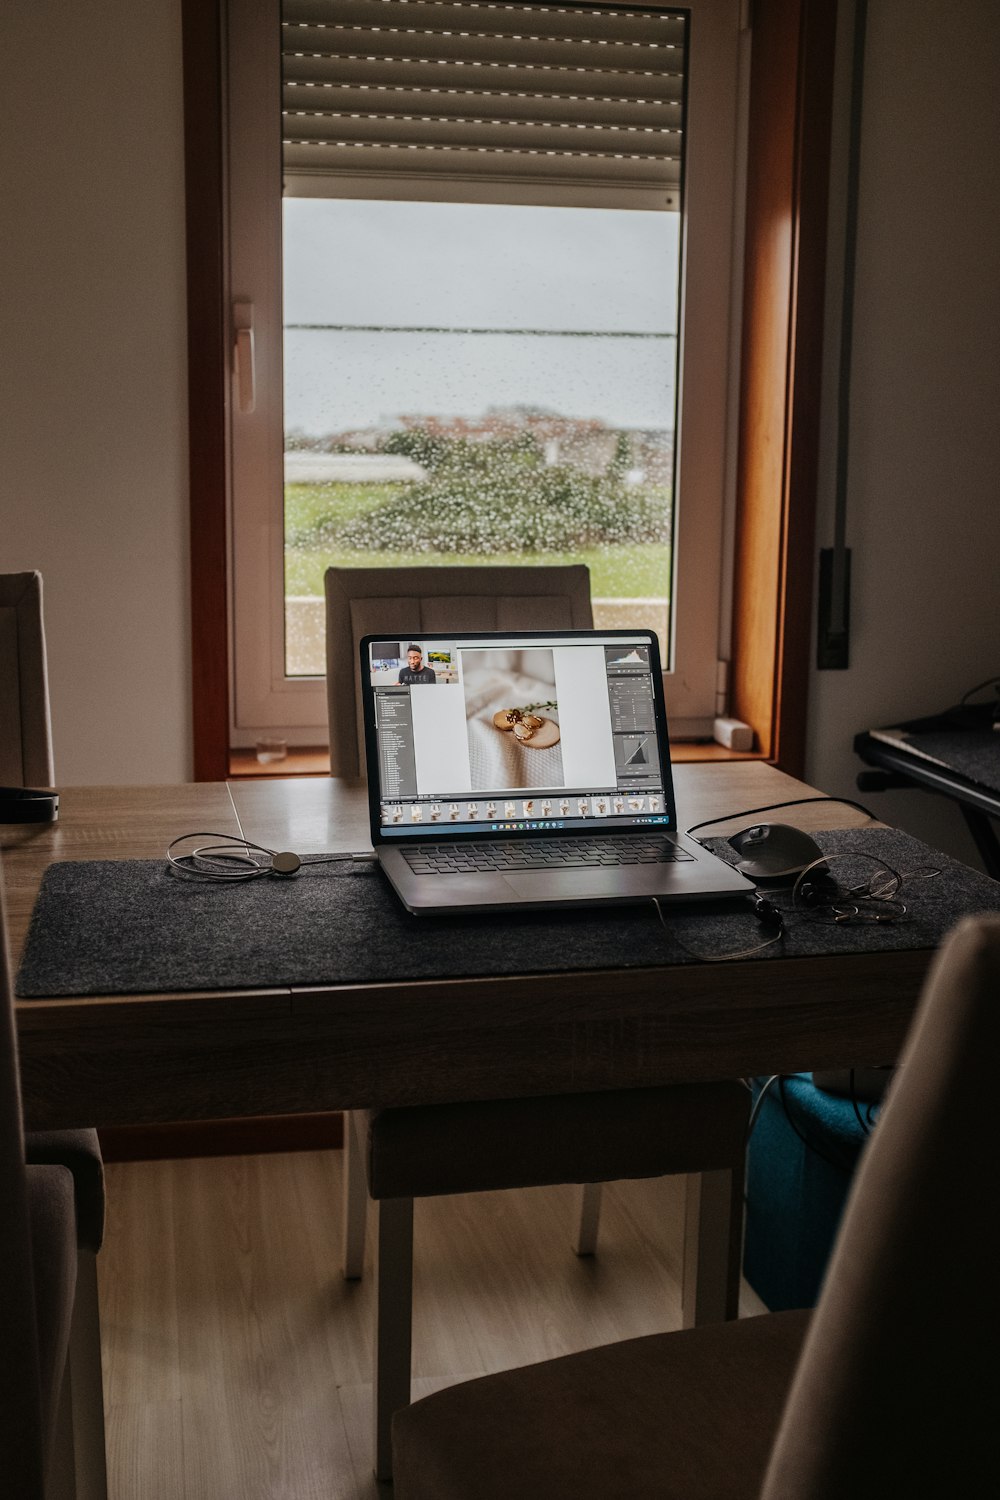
(529, 769)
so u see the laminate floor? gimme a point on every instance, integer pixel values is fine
(237, 1360)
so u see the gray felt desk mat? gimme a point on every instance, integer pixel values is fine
(972, 753)
(131, 927)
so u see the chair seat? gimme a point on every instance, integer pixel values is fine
(680, 1416)
(596, 1137)
(54, 1264)
(80, 1152)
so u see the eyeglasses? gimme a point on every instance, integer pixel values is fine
(839, 889)
(853, 888)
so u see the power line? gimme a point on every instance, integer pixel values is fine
(542, 333)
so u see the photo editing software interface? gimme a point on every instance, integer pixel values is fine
(513, 736)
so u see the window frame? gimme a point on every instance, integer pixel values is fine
(773, 514)
(263, 696)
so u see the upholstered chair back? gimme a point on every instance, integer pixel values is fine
(426, 601)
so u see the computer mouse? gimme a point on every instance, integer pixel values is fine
(774, 851)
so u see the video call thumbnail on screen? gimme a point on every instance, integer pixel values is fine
(456, 719)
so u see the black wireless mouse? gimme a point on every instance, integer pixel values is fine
(774, 851)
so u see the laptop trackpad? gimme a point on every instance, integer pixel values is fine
(550, 886)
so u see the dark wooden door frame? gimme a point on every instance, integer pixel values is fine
(208, 382)
(784, 276)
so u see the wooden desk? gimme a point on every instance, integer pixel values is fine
(141, 1059)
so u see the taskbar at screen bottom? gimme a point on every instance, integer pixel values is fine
(549, 825)
(506, 814)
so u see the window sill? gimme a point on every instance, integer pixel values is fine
(702, 750)
(301, 760)
(314, 760)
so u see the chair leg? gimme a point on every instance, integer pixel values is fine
(79, 1470)
(588, 1218)
(393, 1322)
(355, 1199)
(60, 1473)
(713, 1237)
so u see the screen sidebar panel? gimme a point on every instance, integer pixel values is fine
(639, 723)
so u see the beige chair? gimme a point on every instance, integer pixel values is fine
(396, 1155)
(51, 1402)
(431, 601)
(25, 729)
(886, 1390)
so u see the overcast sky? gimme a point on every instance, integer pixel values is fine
(459, 265)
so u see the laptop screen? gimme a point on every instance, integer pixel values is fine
(515, 734)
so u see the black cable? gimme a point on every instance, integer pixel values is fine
(809, 1145)
(779, 1079)
(771, 919)
(854, 1101)
(748, 812)
(977, 689)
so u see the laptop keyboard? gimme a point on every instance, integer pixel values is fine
(543, 854)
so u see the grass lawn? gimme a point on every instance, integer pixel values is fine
(309, 505)
(634, 570)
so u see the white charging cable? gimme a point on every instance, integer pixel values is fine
(241, 859)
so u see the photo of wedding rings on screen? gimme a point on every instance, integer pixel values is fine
(515, 736)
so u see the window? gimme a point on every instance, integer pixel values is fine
(461, 393)
(479, 354)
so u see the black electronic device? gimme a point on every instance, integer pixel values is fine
(22, 804)
(774, 851)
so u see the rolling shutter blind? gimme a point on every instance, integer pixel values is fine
(483, 101)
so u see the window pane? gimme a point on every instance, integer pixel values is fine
(478, 384)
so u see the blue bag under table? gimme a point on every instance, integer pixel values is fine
(803, 1152)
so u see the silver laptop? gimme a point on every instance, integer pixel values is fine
(526, 770)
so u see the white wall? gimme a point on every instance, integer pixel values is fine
(924, 478)
(93, 463)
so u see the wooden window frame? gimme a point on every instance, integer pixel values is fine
(791, 94)
(791, 105)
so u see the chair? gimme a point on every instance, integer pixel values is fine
(365, 601)
(26, 759)
(25, 729)
(51, 1401)
(396, 1155)
(883, 1390)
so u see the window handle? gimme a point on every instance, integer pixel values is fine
(244, 371)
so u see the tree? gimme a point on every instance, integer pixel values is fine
(621, 459)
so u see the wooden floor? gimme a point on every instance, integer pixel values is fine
(237, 1361)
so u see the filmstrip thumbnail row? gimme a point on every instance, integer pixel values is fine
(532, 808)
